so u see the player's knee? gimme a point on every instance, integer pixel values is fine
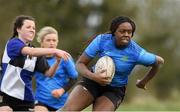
(65, 108)
(68, 108)
(40, 109)
(6, 109)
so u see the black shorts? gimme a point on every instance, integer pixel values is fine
(38, 103)
(115, 94)
(16, 104)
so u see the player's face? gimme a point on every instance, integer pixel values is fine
(50, 41)
(123, 34)
(27, 31)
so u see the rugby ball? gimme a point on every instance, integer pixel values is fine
(106, 63)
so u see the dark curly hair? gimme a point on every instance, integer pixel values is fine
(119, 20)
(114, 25)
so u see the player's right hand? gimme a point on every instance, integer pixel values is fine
(62, 54)
(57, 92)
(101, 78)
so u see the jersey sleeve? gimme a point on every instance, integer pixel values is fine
(14, 48)
(93, 47)
(146, 58)
(42, 64)
(70, 68)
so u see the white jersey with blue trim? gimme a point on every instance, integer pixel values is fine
(17, 71)
(125, 58)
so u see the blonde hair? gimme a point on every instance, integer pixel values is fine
(45, 31)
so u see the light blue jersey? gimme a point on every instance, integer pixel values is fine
(45, 85)
(125, 59)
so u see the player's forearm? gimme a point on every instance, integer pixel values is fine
(83, 70)
(152, 72)
(38, 51)
(52, 69)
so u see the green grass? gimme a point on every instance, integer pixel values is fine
(145, 101)
(149, 104)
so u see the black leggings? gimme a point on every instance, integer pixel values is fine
(115, 94)
(16, 104)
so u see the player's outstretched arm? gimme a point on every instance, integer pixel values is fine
(152, 72)
(45, 51)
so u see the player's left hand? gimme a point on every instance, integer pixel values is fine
(141, 85)
(57, 92)
(58, 59)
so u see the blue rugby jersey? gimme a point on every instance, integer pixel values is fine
(125, 59)
(17, 70)
(45, 85)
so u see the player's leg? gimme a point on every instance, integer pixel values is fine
(17, 104)
(42, 107)
(102, 103)
(39, 108)
(112, 97)
(5, 109)
(79, 99)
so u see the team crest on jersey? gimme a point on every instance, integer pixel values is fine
(124, 58)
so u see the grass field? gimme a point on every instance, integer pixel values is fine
(148, 104)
